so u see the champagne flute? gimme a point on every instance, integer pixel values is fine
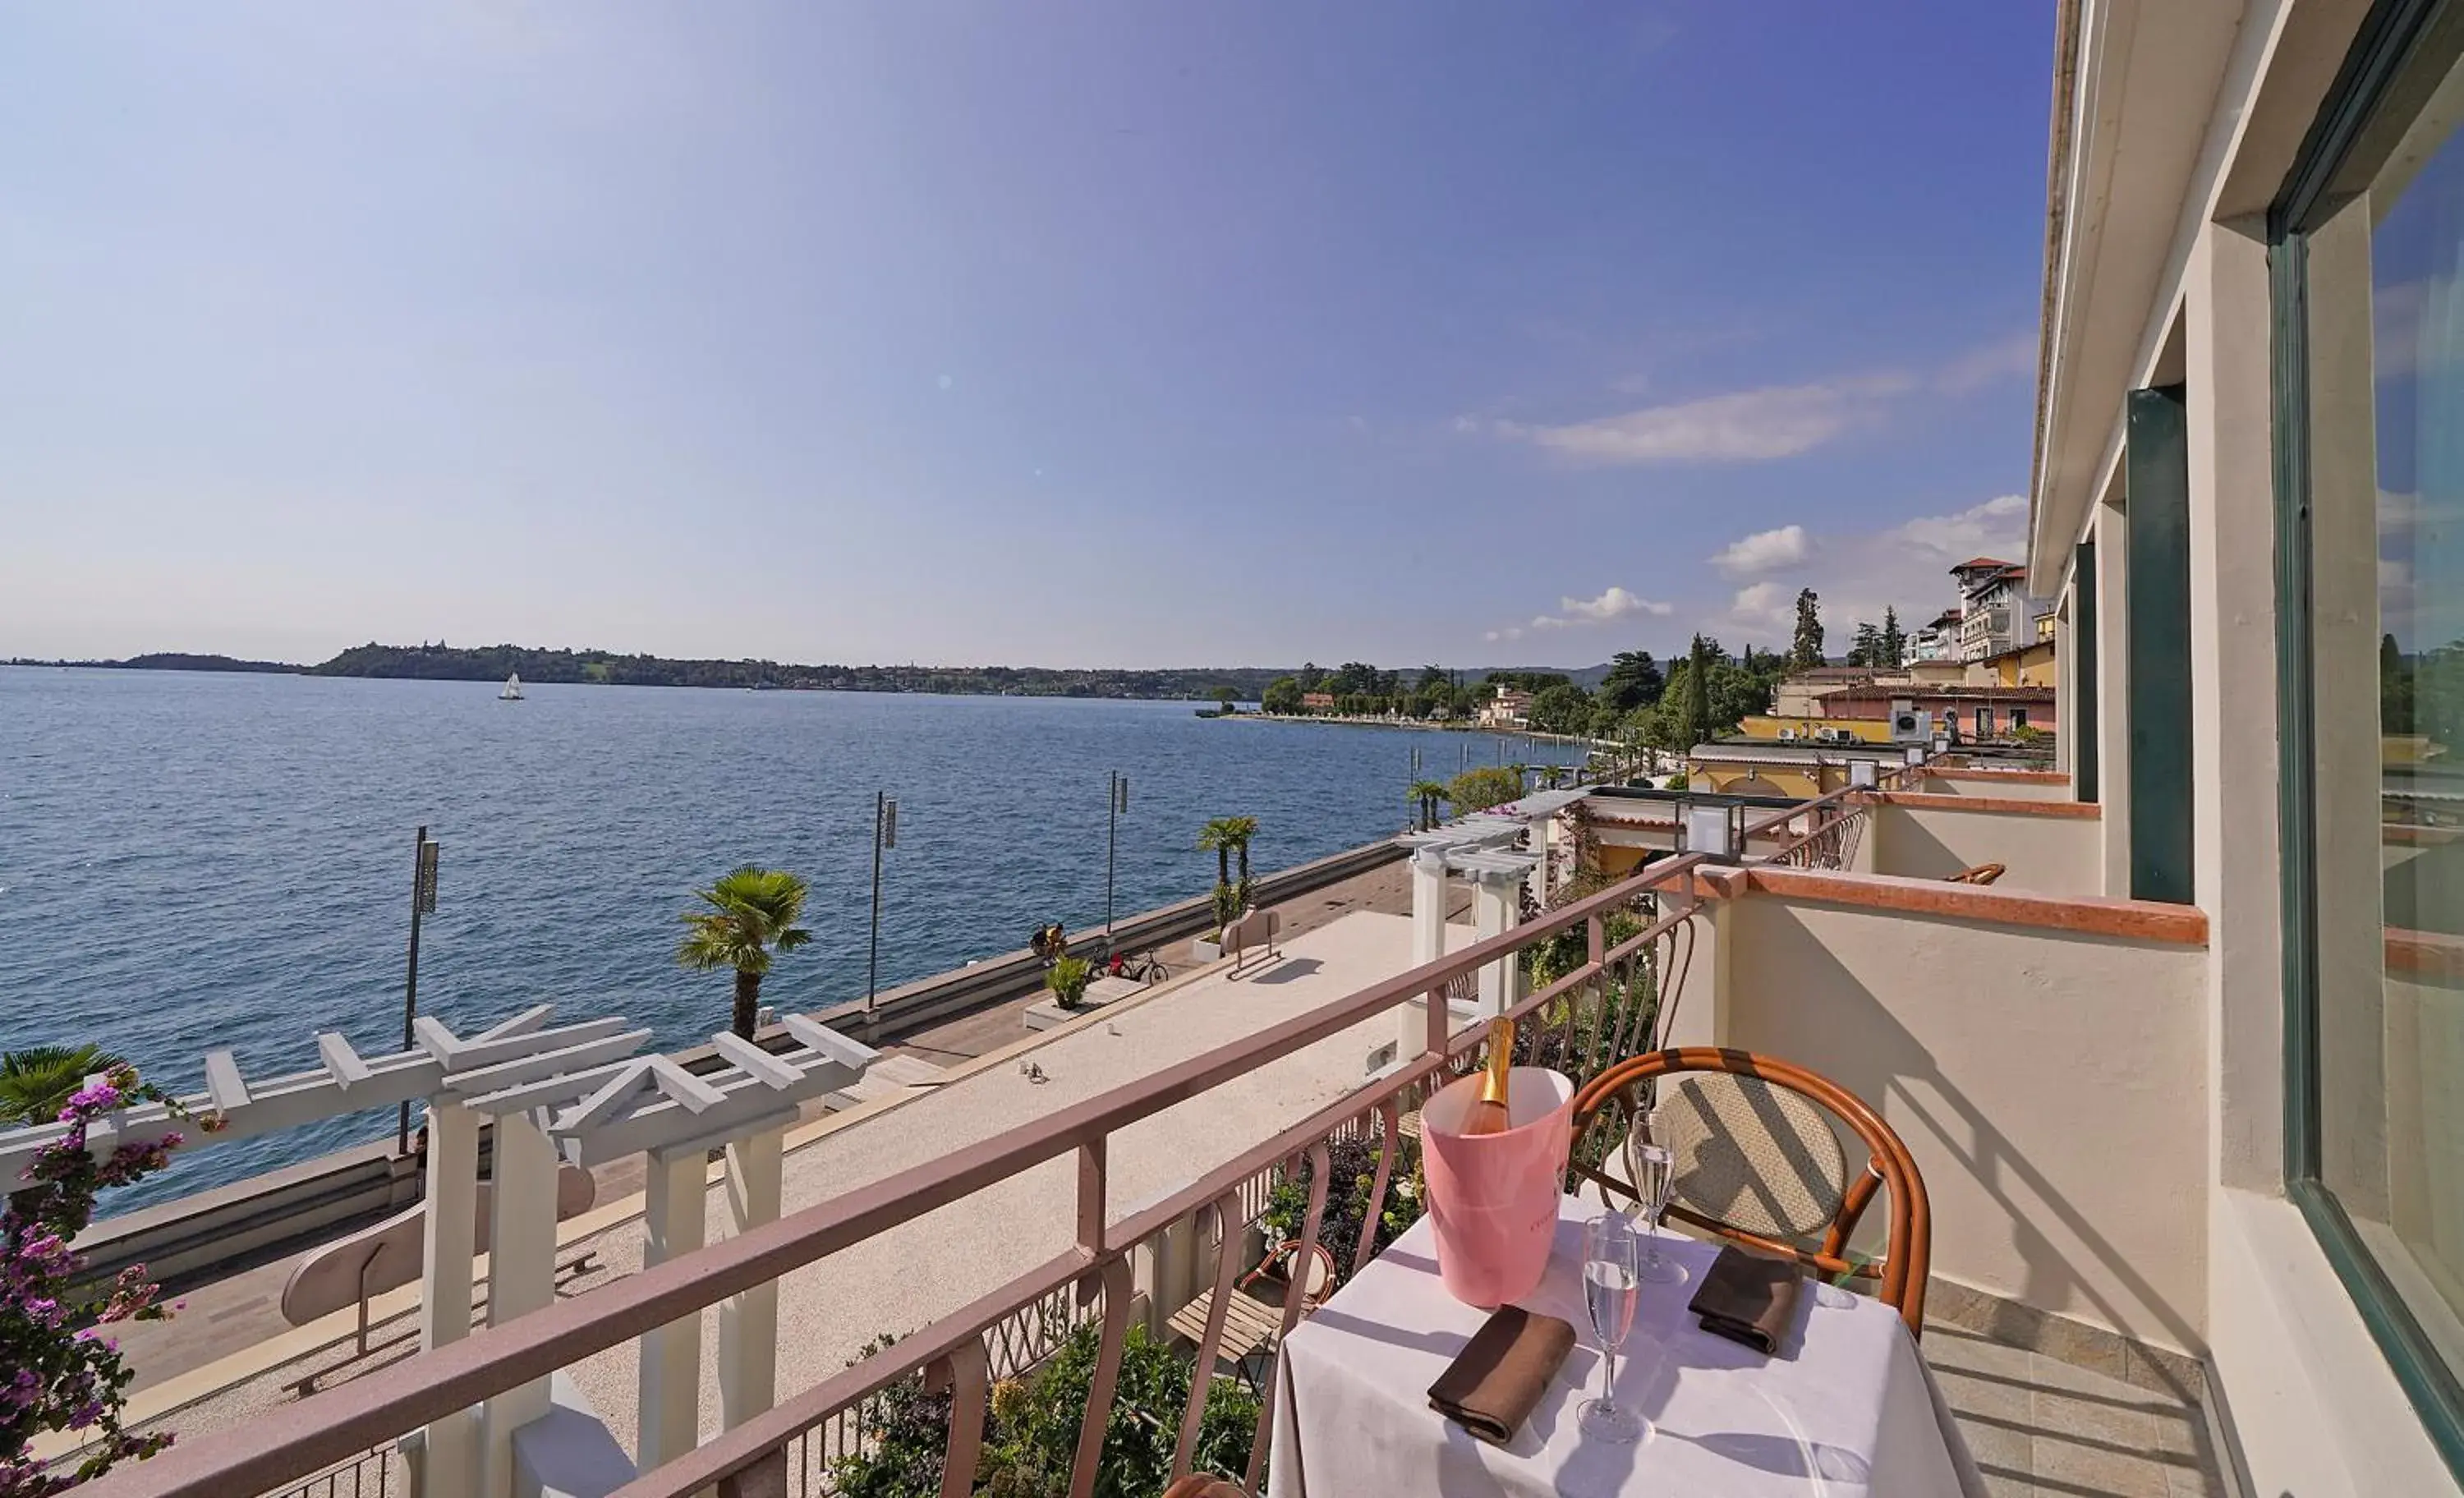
(1612, 1287)
(1654, 1166)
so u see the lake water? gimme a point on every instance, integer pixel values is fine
(190, 860)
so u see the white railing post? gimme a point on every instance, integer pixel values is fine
(748, 1323)
(449, 1462)
(521, 1275)
(1495, 910)
(1428, 938)
(675, 1209)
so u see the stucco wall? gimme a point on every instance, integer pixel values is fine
(2045, 855)
(2052, 1087)
(2003, 784)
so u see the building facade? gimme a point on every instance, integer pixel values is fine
(2246, 473)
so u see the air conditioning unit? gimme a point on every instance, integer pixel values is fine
(1908, 725)
(1788, 736)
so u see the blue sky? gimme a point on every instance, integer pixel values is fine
(1051, 333)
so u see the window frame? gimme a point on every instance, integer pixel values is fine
(2381, 52)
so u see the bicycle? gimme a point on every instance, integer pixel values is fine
(1144, 967)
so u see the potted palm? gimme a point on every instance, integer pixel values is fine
(1427, 793)
(1068, 979)
(1225, 837)
(750, 918)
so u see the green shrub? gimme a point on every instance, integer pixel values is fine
(1352, 1171)
(1031, 1428)
(1067, 979)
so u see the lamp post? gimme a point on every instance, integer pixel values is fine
(885, 835)
(1116, 801)
(423, 902)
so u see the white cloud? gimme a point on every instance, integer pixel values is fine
(2004, 359)
(1857, 575)
(1612, 604)
(1747, 426)
(1764, 606)
(1764, 551)
(1993, 528)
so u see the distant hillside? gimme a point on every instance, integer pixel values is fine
(607, 668)
(175, 660)
(496, 662)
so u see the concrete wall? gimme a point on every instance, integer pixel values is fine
(2051, 1085)
(2000, 784)
(2044, 854)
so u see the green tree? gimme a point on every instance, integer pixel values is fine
(1478, 791)
(1427, 794)
(1561, 709)
(1732, 693)
(751, 917)
(1633, 681)
(1283, 694)
(1805, 648)
(36, 1083)
(1866, 646)
(1694, 708)
(1895, 640)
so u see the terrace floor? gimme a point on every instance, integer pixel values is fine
(2039, 1427)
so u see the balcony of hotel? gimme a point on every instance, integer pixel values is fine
(2036, 1047)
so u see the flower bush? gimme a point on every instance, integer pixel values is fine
(1352, 1171)
(58, 1370)
(1031, 1427)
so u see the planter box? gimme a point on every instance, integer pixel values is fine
(1205, 950)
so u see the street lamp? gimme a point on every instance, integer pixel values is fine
(885, 835)
(423, 902)
(1116, 801)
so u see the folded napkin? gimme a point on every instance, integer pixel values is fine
(1749, 1297)
(1492, 1386)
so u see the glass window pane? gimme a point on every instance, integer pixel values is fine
(2385, 285)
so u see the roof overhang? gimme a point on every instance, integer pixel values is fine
(2168, 117)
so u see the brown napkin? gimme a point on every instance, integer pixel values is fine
(1749, 1297)
(1492, 1386)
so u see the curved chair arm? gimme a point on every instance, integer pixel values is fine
(1905, 1265)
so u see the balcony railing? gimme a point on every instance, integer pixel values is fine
(1606, 1006)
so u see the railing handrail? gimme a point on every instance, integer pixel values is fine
(368, 1411)
(1790, 813)
(1821, 826)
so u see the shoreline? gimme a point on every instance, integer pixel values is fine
(1422, 725)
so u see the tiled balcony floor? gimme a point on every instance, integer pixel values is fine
(2039, 1427)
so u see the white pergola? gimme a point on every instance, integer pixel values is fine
(1479, 848)
(580, 1092)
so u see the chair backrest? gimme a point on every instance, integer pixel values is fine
(1980, 873)
(1758, 1163)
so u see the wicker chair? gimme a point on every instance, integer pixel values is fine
(1758, 1162)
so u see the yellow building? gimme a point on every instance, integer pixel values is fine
(1772, 729)
(1748, 769)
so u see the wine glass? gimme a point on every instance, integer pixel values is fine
(1612, 1287)
(1654, 1166)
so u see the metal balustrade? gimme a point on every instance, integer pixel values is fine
(1607, 1008)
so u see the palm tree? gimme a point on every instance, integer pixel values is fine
(1243, 829)
(1429, 793)
(36, 1083)
(752, 919)
(1219, 837)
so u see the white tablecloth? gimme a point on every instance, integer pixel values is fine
(1843, 1408)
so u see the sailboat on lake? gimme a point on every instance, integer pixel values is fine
(513, 692)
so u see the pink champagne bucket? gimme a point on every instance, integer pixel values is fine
(1493, 1198)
